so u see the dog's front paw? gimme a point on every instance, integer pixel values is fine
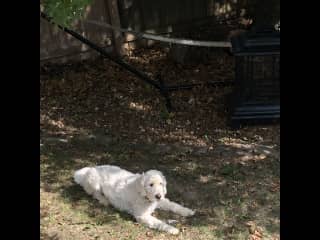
(173, 231)
(188, 212)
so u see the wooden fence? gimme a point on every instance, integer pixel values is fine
(141, 15)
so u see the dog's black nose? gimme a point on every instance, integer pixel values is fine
(158, 196)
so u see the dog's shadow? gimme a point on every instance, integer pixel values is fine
(87, 205)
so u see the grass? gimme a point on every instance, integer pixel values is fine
(226, 195)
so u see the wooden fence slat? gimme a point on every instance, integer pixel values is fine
(112, 8)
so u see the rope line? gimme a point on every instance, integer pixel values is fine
(189, 42)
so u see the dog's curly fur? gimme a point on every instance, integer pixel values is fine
(136, 194)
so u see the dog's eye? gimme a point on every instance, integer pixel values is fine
(151, 184)
(161, 183)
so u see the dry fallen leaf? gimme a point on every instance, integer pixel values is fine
(257, 233)
(252, 226)
(149, 234)
(253, 237)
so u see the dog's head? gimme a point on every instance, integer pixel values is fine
(154, 185)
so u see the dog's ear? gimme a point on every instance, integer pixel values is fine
(141, 181)
(164, 184)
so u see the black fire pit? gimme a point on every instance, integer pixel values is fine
(256, 96)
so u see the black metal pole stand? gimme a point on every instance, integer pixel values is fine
(165, 93)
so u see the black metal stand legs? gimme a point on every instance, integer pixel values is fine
(165, 93)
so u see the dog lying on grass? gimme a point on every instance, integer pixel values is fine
(136, 194)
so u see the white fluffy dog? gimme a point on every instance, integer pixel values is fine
(137, 194)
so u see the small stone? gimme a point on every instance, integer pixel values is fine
(191, 101)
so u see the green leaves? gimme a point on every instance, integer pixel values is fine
(65, 12)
